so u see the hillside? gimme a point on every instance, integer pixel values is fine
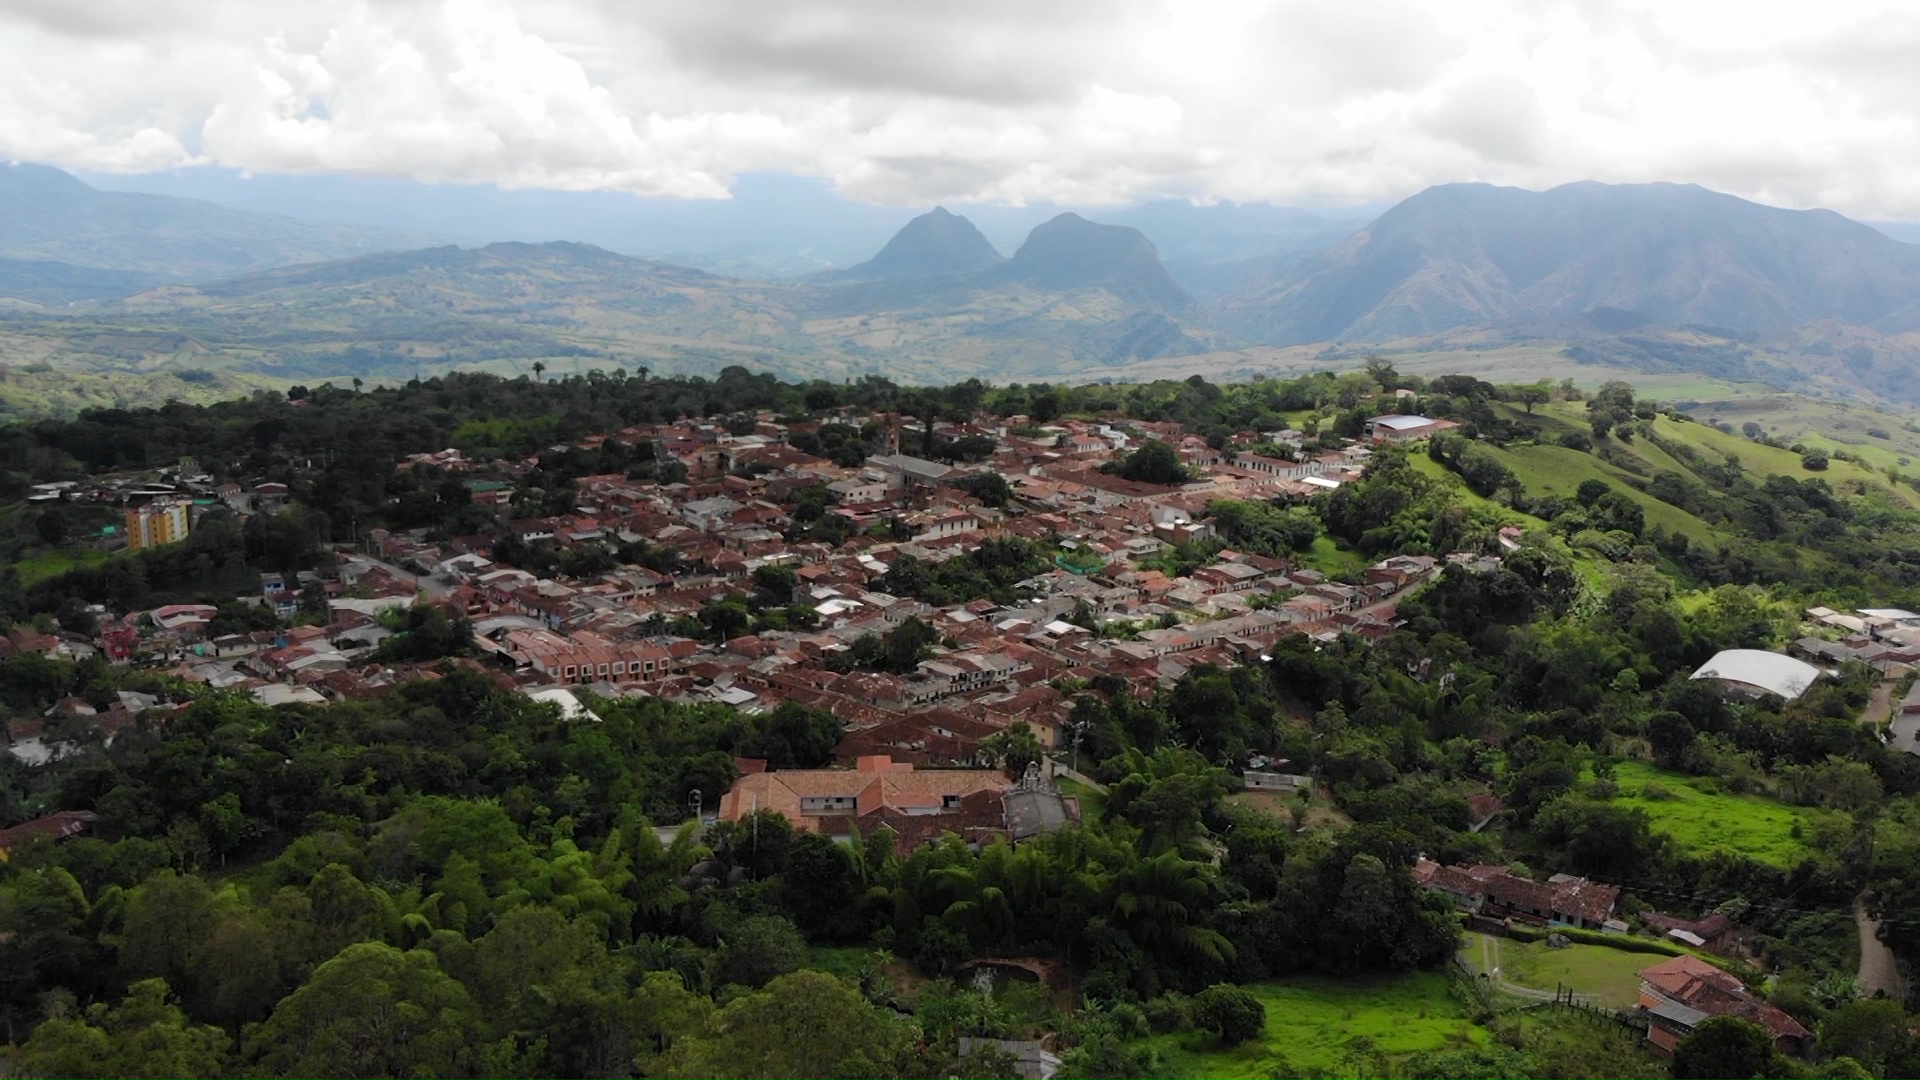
(568, 306)
(48, 216)
(1465, 254)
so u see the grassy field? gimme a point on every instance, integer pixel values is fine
(1762, 461)
(1831, 425)
(1327, 1027)
(1557, 470)
(48, 563)
(1093, 804)
(1708, 821)
(1332, 560)
(1610, 975)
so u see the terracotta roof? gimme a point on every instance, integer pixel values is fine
(57, 826)
(1699, 985)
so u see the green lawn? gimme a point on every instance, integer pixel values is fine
(1611, 975)
(48, 563)
(1332, 560)
(1093, 804)
(1331, 1027)
(1708, 821)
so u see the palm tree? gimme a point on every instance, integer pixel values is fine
(357, 384)
(539, 369)
(1156, 900)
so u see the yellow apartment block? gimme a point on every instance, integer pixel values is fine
(157, 524)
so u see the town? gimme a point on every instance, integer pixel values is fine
(735, 520)
(942, 623)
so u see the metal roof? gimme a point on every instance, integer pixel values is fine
(1762, 670)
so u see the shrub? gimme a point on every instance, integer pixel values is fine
(1577, 440)
(1814, 460)
(1229, 1012)
(1170, 1012)
(1655, 793)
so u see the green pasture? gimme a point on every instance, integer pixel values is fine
(1703, 821)
(1329, 1027)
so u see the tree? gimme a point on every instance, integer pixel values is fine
(51, 528)
(1154, 462)
(1869, 1030)
(757, 949)
(990, 488)
(1230, 1012)
(776, 582)
(1814, 461)
(144, 1036)
(795, 736)
(807, 1024)
(1013, 748)
(539, 369)
(372, 1011)
(1727, 1048)
(1534, 395)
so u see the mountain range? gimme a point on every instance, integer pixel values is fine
(1467, 254)
(88, 241)
(1654, 277)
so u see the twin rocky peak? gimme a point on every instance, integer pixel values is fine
(1067, 252)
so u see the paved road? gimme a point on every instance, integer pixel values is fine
(1878, 969)
(432, 586)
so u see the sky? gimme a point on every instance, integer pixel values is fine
(1322, 103)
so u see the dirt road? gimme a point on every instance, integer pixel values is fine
(1878, 970)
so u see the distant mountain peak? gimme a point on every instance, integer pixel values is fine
(936, 242)
(1070, 252)
(24, 175)
(1475, 254)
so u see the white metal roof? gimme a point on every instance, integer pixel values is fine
(1762, 670)
(1402, 423)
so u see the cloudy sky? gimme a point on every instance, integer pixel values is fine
(1312, 102)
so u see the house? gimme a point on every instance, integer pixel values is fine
(52, 827)
(1394, 429)
(903, 470)
(585, 657)
(1679, 994)
(917, 805)
(859, 491)
(1498, 893)
(1713, 933)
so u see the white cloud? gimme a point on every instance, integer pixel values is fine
(1077, 101)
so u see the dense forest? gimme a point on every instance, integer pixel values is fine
(451, 880)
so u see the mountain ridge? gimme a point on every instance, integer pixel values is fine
(1464, 254)
(50, 216)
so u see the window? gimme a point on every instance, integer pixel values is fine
(572, 672)
(619, 668)
(603, 669)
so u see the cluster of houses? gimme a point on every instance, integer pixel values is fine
(1675, 996)
(160, 508)
(1107, 607)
